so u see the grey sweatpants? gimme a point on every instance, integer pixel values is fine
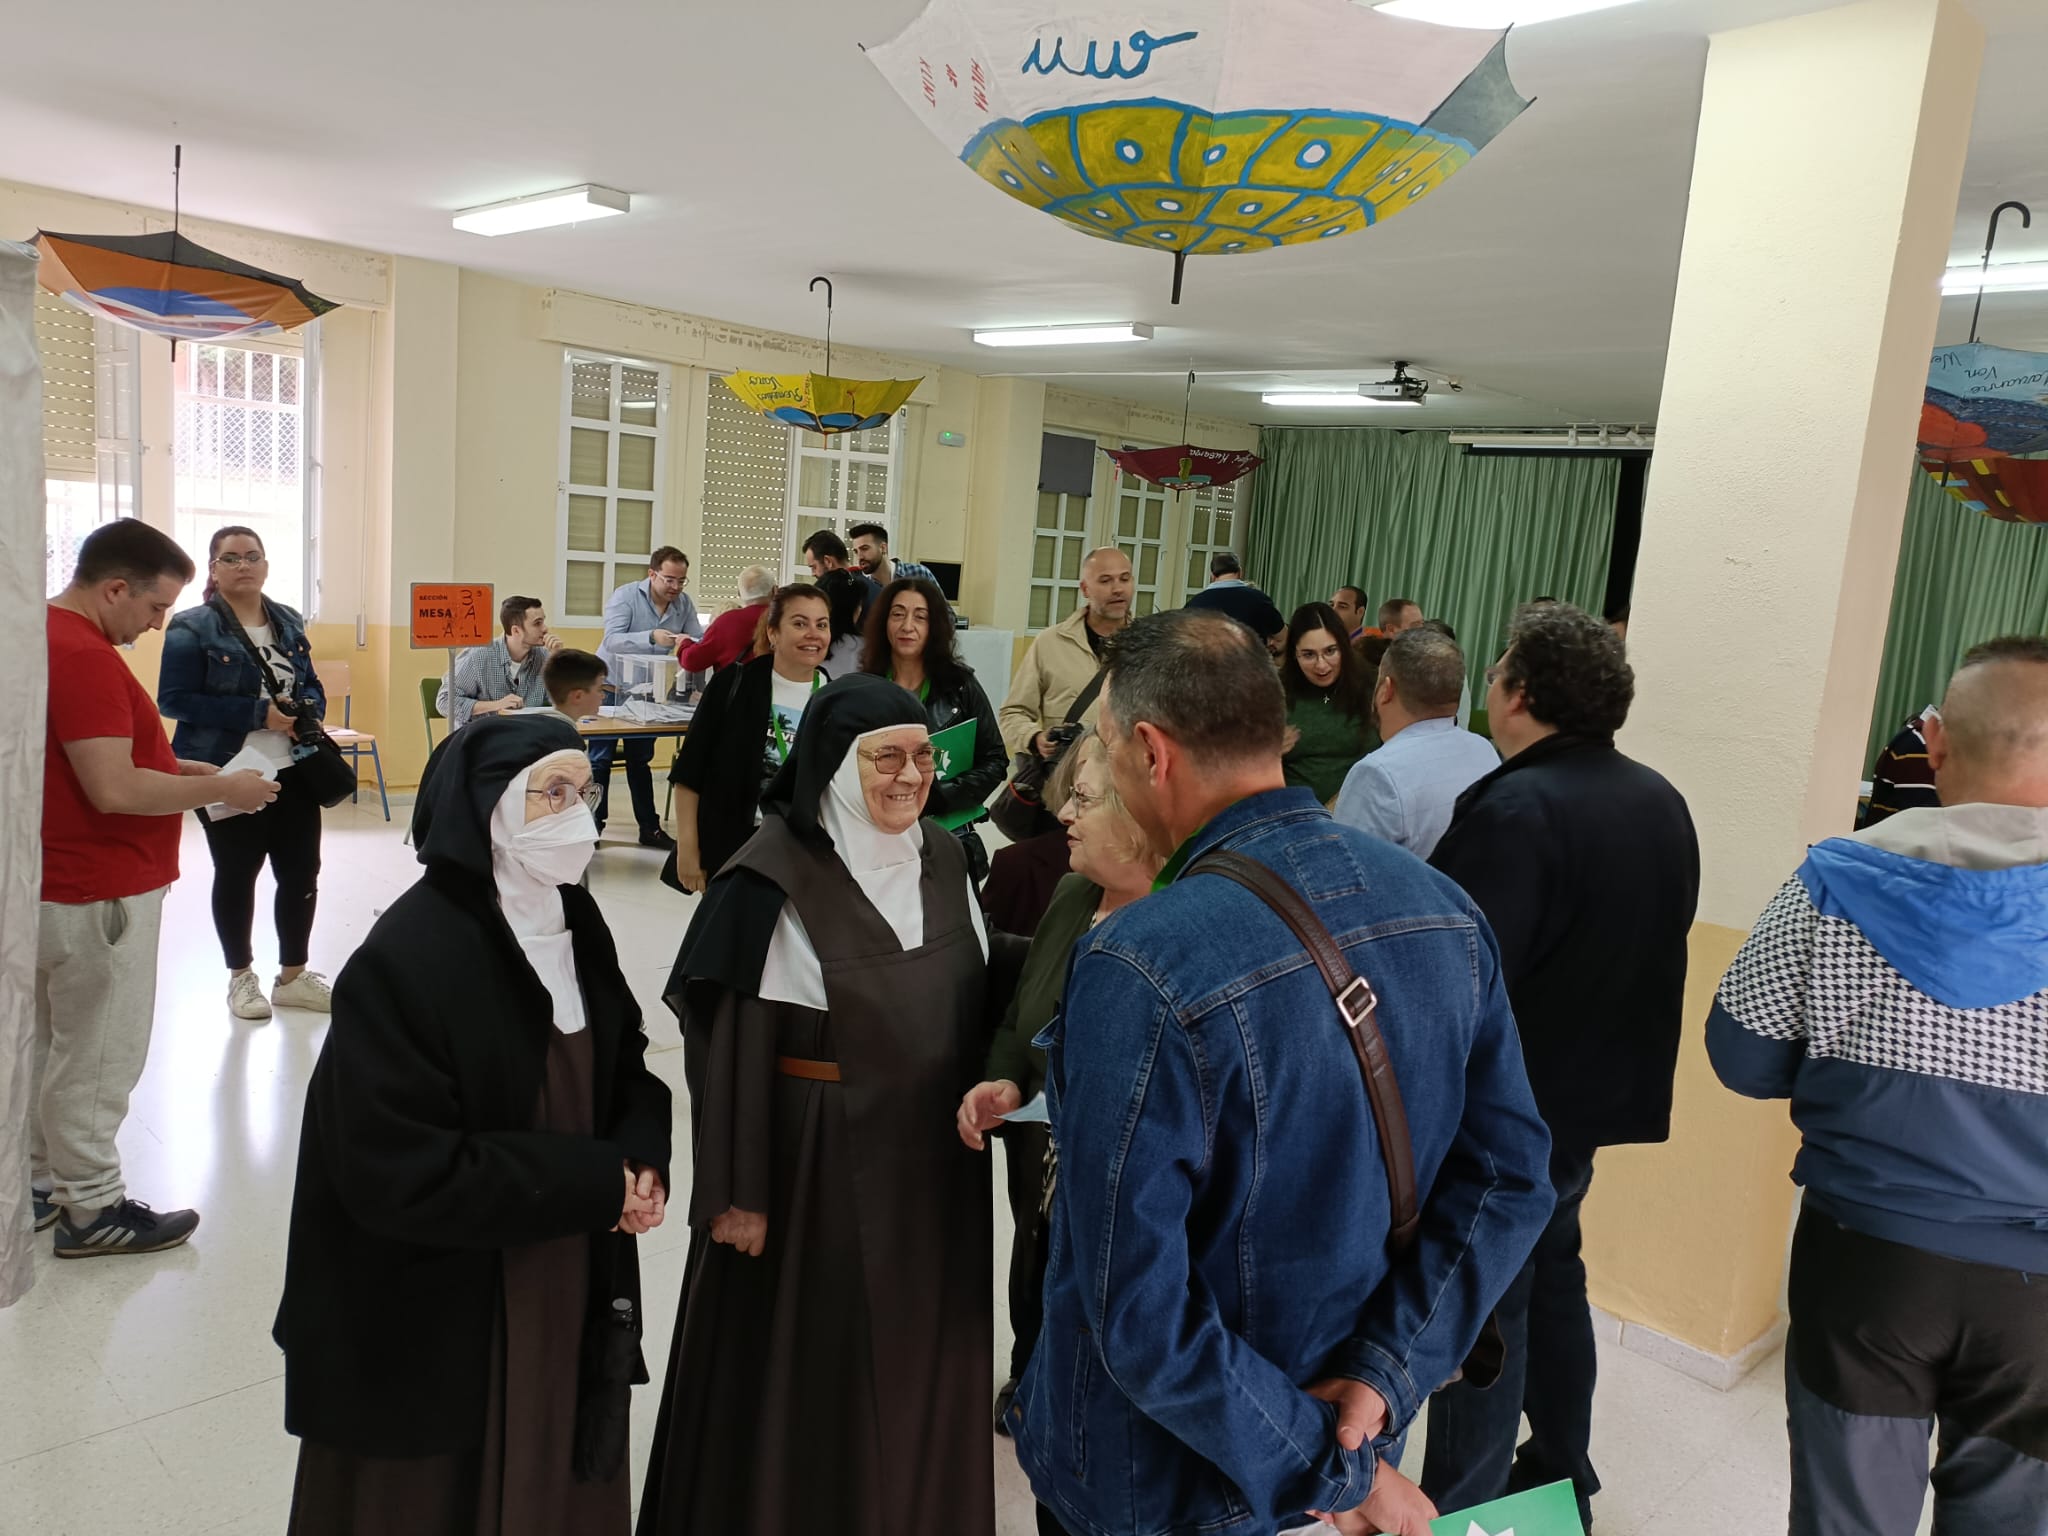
(95, 1003)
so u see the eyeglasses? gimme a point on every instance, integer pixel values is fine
(889, 761)
(1084, 802)
(1492, 676)
(232, 561)
(561, 796)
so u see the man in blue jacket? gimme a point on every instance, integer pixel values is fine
(1228, 1343)
(1896, 991)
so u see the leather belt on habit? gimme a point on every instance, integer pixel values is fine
(809, 1070)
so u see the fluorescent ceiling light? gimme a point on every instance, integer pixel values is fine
(543, 210)
(1328, 397)
(2008, 277)
(1493, 13)
(1064, 335)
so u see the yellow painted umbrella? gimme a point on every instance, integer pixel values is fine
(817, 402)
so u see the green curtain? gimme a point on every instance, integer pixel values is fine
(1406, 514)
(1962, 578)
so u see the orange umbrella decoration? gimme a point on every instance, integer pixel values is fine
(171, 286)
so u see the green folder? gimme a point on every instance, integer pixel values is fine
(954, 750)
(1551, 1511)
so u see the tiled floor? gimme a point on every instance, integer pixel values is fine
(158, 1374)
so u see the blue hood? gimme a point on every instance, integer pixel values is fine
(1968, 938)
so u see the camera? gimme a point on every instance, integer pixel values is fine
(305, 726)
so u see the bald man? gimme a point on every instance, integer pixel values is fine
(1064, 659)
(1896, 991)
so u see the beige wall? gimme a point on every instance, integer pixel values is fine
(440, 416)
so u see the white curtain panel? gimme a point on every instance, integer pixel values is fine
(23, 689)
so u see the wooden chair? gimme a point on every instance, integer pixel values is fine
(334, 677)
(430, 707)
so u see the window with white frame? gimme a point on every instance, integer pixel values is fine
(238, 455)
(1212, 528)
(610, 513)
(1140, 532)
(90, 443)
(1058, 546)
(837, 481)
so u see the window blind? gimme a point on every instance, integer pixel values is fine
(64, 336)
(746, 496)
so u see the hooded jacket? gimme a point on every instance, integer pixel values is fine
(1896, 990)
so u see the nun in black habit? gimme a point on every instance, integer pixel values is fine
(831, 1365)
(482, 1141)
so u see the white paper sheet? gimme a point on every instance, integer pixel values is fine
(248, 758)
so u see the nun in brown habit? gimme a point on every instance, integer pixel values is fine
(831, 1366)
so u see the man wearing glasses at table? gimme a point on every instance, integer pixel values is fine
(643, 618)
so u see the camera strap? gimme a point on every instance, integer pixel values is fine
(263, 672)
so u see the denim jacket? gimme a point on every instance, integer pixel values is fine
(1220, 1220)
(209, 685)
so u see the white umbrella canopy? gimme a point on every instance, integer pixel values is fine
(1220, 128)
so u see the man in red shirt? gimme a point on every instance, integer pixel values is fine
(113, 800)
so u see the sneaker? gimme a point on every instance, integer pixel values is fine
(656, 838)
(130, 1227)
(45, 1208)
(245, 996)
(308, 990)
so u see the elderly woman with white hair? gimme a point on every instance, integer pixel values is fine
(482, 1141)
(731, 635)
(832, 1356)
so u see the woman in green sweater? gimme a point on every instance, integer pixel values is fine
(1329, 702)
(1112, 867)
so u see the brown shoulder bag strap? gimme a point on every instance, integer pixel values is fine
(1357, 1004)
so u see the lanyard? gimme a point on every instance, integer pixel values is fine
(924, 689)
(1171, 871)
(775, 720)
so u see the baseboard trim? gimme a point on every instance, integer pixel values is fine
(1720, 1372)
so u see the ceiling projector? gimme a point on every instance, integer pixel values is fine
(1401, 388)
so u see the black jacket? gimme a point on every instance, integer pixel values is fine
(945, 707)
(721, 758)
(1586, 864)
(418, 1164)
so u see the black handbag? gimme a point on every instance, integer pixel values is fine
(611, 1366)
(1357, 1006)
(1020, 812)
(328, 776)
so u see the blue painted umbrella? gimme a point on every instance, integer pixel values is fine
(171, 286)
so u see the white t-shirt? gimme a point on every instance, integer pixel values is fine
(275, 745)
(785, 714)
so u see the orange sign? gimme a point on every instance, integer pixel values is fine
(451, 613)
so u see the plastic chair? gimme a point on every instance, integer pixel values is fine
(430, 706)
(334, 677)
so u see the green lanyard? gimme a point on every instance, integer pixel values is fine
(924, 689)
(775, 720)
(1174, 865)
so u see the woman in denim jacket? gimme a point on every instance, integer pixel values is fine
(224, 703)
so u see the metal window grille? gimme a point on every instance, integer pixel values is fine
(1058, 546)
(238, 456)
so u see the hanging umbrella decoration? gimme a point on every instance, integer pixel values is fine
(817, 402)
(1185, 467)
(171, 286)
(1984, 405)
(1244, 125)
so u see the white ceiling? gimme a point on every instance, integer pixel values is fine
(760, 149)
